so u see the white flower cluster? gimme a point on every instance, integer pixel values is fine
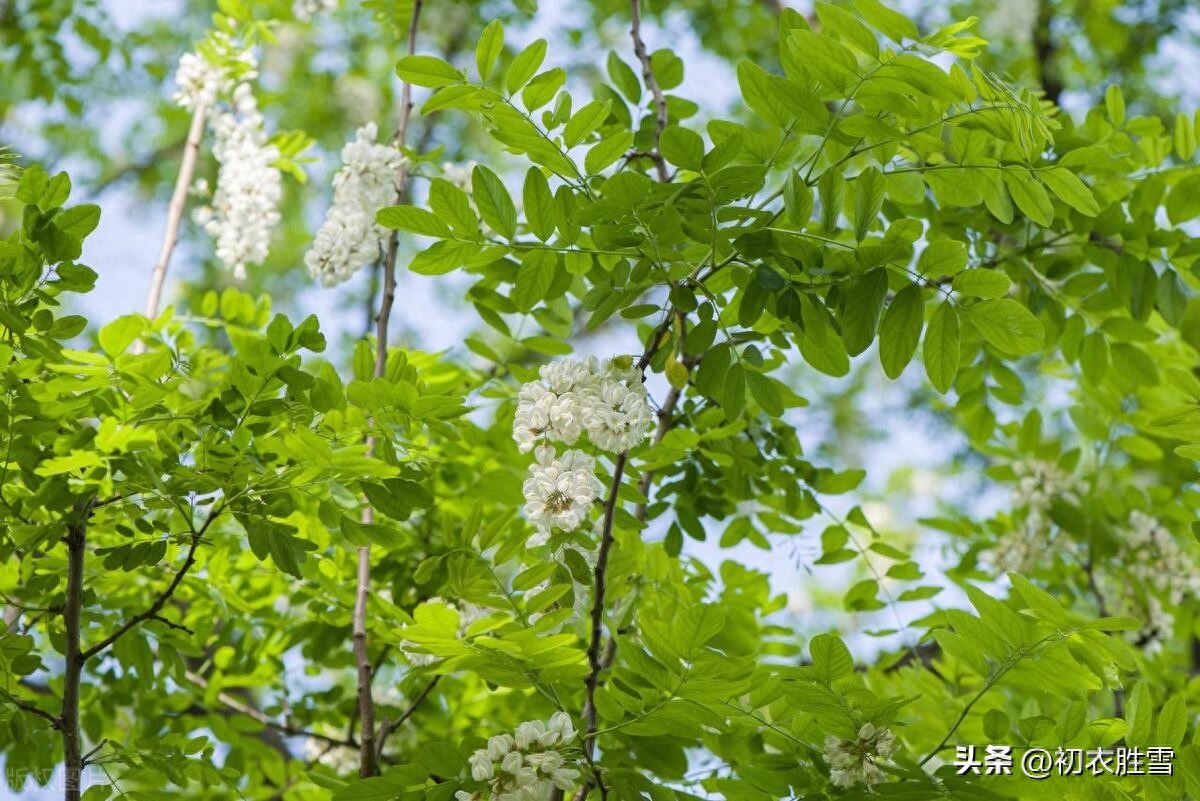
(857, 761)
(202, 81)
(245, 207)
(1038, 484)
(305, 10)
(1166, 572)
(524, 765)
(573, 397)
(349, 238)
(468, 613)
(459, 174)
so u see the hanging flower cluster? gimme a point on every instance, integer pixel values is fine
(857, 761)
(574, 397)
(459, 174)
(468, 613)
(1164, 571)
(349, 238)
(245, 205)
(524, 765)
(1038, 484)
(305, 10)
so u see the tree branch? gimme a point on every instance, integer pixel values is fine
(31, 708)
(191, 150)
(660, 101)
(387, 727)
(152, 613)
(242, 708)
(368, 754)
(75, 659)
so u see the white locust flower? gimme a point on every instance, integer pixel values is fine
(200, 81)
(304, 10)
(525, 765)
(617, 415)
(559, 493)
(349, 239)
(857, 761)
(245, 207)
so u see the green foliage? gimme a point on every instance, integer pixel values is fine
(185, 500)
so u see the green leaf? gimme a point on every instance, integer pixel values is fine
(1007, 326)
(891, 24)
(586, 121)
(861, 307)
(116, 337)
(541, 90)
(941, 349)
(413, 220)
(489, 48)
(1172, 722)
(78, 221)
(1071, 190)
(1114, 103)
(900, 330)
(607, 151)
(1183, 203)
(798, 200)
(982, 283)
(942, 257)
(534, 279)
(831, 658)
(624, 78)
(429, 71)
(494, 203)
(525, 66)
(540, 208)
(868, 200)
(683, 147)
(1030, 196)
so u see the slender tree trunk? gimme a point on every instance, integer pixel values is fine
(72, 613)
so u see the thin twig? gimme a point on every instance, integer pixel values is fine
(187, 168)
(660, 100)
(152, 613)
(31, 708)
(388, 726)
(242, 708)
(368, 755)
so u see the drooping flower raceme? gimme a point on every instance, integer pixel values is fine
(1164, 574)
(200, 81)
(858, 761)
(1038, 484)
(524, 765)
(559, 493)
(572, 398)
(349, 238)
(245, 207)
(305, 10)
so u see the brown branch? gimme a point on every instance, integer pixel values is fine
(31, 708)
(187, 168)
(660, 101)
(388, 727)
(152, 613)
(75, 658)
(242, 708)
(1045, 50)
(368, 755)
